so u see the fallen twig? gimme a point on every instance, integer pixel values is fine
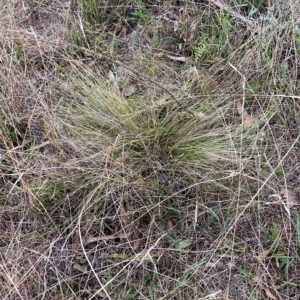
(232, 12)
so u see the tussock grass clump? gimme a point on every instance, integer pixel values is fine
(154, 130)
(143, 167)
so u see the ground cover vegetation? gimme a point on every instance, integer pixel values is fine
(149, 149)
